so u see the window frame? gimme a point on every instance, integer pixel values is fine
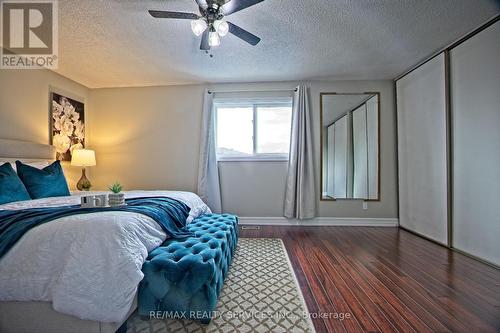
(254, 104)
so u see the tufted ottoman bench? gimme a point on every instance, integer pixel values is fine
(183, 278)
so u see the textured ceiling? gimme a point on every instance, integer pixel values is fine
(115, 43)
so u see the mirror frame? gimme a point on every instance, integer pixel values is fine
(321, 94)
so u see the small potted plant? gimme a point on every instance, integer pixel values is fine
(116, 198)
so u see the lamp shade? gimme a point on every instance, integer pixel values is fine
(83, 157)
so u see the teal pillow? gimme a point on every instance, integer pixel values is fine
(44, 183)
(11, 187)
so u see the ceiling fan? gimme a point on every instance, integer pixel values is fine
(211, 24)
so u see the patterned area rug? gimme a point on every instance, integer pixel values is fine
(260, 294)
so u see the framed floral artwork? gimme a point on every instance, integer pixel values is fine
(67, 125)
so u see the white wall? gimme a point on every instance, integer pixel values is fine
(149, 138)
(24, 106)
(253, 188)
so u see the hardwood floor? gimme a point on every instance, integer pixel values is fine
(388, 279)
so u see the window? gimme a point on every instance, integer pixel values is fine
(253, 130)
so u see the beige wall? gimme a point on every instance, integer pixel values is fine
(148, 138)
(387, 206)
(24, 106)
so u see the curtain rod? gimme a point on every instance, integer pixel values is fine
(241, 91)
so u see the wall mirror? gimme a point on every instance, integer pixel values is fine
(350, 146)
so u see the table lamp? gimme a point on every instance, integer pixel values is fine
(83, 158)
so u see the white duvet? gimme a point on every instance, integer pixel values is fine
(88, 266)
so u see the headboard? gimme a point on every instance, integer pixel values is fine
(25, 151)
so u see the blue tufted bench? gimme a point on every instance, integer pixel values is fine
(183, 278)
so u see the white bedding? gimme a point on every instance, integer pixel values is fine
(88, 266)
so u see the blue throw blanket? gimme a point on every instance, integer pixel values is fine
(169, 213)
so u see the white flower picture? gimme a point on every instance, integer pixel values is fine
(68, 126)
(62, 143)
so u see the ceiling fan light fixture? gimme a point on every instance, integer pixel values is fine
(221, 27)
(209, 22)
(213, 38)
(198, 26)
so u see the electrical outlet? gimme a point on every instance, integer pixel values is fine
(250, 227)
(365, 205)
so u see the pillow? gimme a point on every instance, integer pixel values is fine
(11, 187)
(38, 165)
(44, 183)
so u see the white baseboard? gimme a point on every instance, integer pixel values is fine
(321, 221)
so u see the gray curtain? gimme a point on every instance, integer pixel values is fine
(208, 170)
(300, 195)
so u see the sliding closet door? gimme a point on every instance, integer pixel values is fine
(360, 153)
(330, 160)
(423, 185)
(475, 105)
(372, 146)
(341, 156)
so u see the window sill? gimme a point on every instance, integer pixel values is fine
(253, 159)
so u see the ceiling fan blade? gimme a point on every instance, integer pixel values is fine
(173, 15)
(243, 34)
(204, 41)
(236, 5)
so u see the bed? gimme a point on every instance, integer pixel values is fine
(78, 273)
